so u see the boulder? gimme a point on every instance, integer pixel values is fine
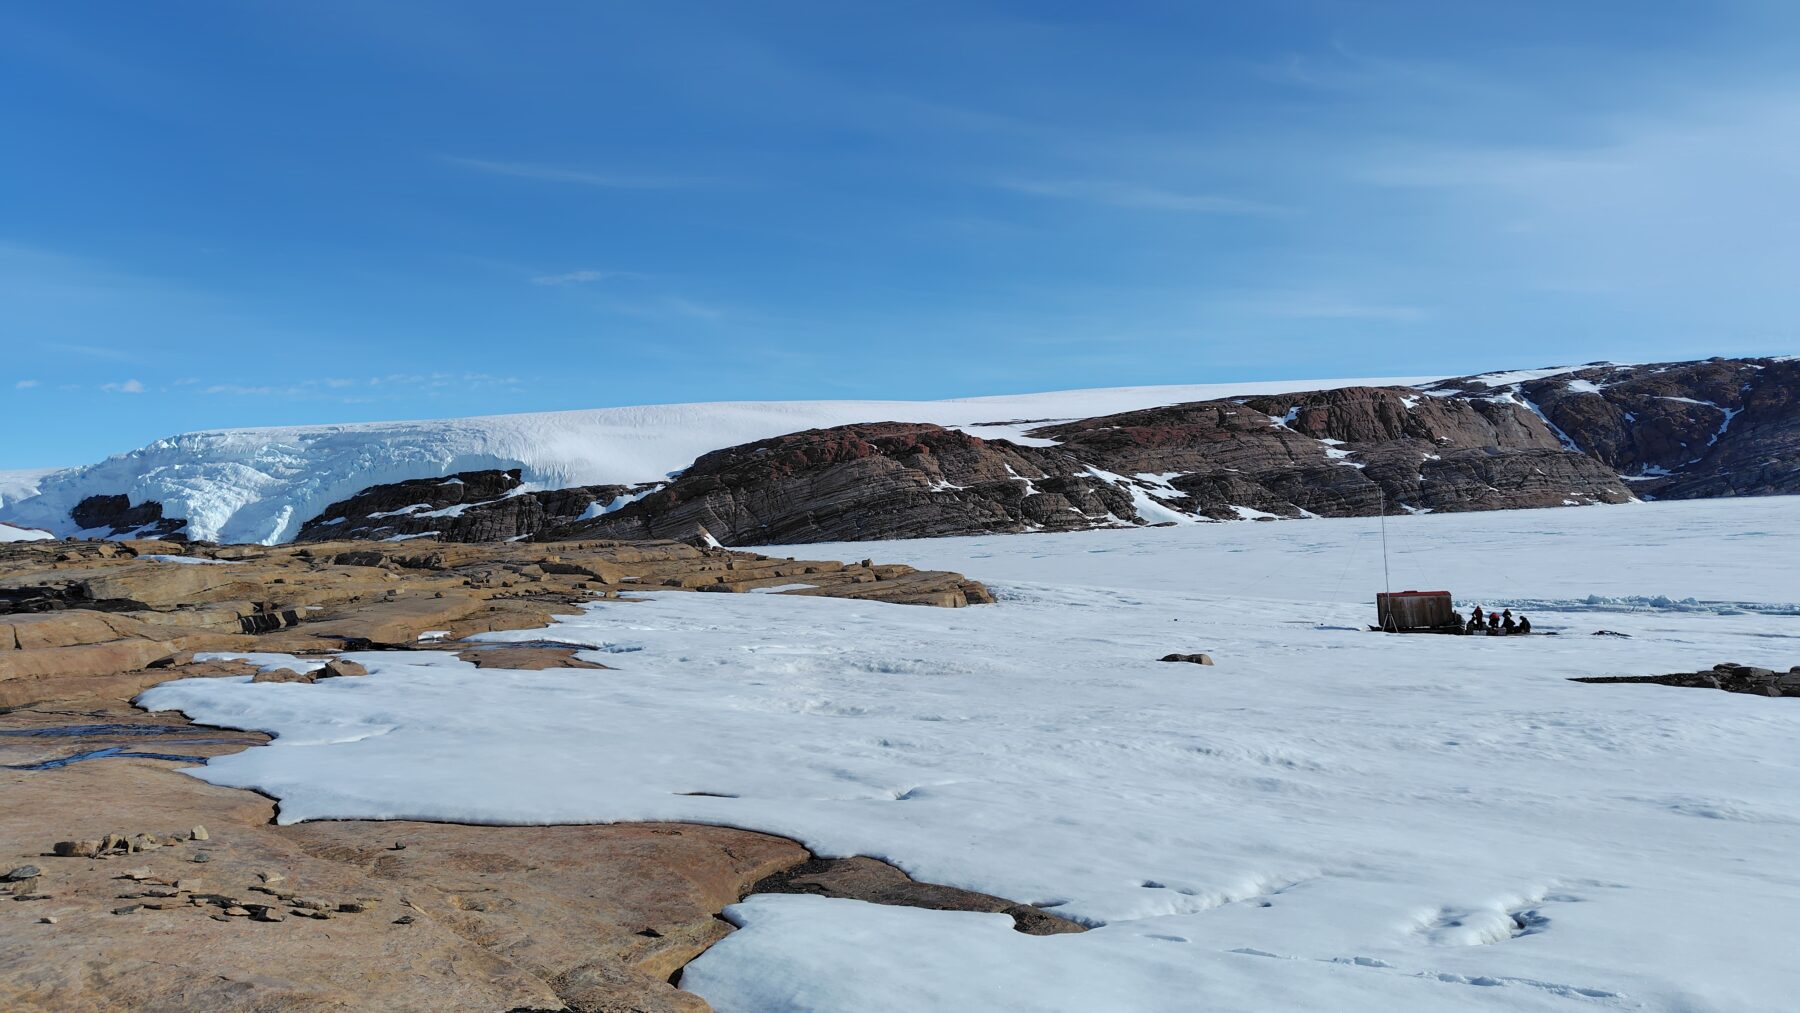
(338, 668)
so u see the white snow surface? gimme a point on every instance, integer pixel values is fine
(261, 485)
(22, 483)
(1518, 376)
(8, 533)
(1326, 819)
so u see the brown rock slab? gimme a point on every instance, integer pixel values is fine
(524, 658)
(875, 881)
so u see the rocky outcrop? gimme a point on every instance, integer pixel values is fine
(471, 506)
(117, 516)
(1681, 430)
(1331, 453)
(876, 882)
(883, 480)
(175, 894)
(1730, 677)
(105, 617)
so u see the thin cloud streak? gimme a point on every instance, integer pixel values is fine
(562, 174)
(581, 277)
(1136, 196)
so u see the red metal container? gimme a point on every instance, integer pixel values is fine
(1414, 610)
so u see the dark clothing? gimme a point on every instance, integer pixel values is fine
(1493, 620)
(1476, 615)
(1524, 625)
(1508, 625)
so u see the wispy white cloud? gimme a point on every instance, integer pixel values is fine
(1137, 196)
(564, 174)
(25, 384)
(127, 387)
(581, 277)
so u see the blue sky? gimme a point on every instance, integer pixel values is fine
(229, 213)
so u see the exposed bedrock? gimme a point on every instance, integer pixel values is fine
(1332, 453)
(1729, 676)
(116, 515)
(470, 506)
(1684, 430)
(81, 618)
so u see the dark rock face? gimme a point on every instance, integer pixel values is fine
(1331, 453)
(473, 506)
(880, 480)
(1683, 430)
(1721, 427)
(1343, 453)
(116, 513)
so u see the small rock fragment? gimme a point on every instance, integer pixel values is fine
(198, 834)
(138, 874)
(270, 877)
(235, 911)
(203, 857)
(353, 907)
(23, 888)
(22, 872)
(76, 849)
(404, 920)
(221, 918)
(47, 920)
(127, 909)
(1194, 659)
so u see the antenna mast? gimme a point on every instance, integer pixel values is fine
(1387, 583)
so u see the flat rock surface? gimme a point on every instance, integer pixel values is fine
(591, 917)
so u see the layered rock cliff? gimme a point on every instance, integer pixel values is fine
(1683, 430)
(1330, 453)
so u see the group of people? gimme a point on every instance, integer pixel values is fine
(1496, 624)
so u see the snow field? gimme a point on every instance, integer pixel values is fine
(1326, 819)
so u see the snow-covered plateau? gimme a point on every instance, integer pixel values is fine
(1326, 819)
(261, 485)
